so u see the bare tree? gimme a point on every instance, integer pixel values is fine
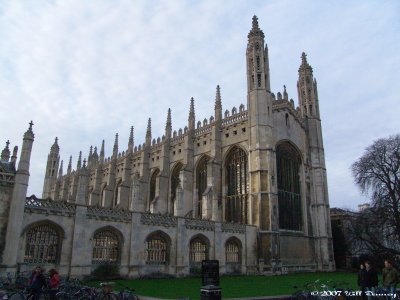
(377, 173)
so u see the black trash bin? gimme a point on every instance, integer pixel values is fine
(210, 292)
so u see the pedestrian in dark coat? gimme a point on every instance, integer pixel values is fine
(361, 281)
(371, 279)
(37, 282)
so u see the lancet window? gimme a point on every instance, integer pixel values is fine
(156, 250)
(153, 186)
(42, 244)
(232, 252)
(236, 205)
(201, 182)
(175, 181)
(289, 197)
(106, 247)
(198, 251)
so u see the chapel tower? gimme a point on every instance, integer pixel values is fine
(261, 143)
(50, 178)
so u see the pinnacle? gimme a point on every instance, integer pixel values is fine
(304, 59)
(218, 98)
(255, 23)
(255, 29)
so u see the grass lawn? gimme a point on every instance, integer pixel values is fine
(234, 286)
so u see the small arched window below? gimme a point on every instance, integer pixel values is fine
(106, 247)
(156, 250)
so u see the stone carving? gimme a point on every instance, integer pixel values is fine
(199, 224)
(233, 228)
(109, 214)
(49, 207)
(158, 220)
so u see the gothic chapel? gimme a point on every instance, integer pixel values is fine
(247, 187)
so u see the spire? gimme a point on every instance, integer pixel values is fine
(168, 125)
(60, 171)
(102, 152)
(5, 154)
(148, 132)
(255, 29)
(131, 140)
(90, 152)
(192, 117)
(69, 169)
(218, 105)
(79, 164)
(55, 147)
(115, 148)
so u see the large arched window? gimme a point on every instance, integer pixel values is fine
(201, 183)
(106, 247)
(198, 251)
(175, 181)
(43, 244)
(289, 197)
(156, 250)
(153, 186)
(237, 184)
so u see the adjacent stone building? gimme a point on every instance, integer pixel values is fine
(247, 187)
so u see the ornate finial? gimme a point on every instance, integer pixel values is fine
(84, 163)
(218, 104)
(304, 59)
(255, 23)
(69, 169)
(115, 148)
(29, 133)
(131, 140)
(285, 94)
(148, 131)
(60, 171)
(14, 156)
(255, 29)
(5, 154)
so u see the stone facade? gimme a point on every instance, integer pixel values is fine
(247, 187)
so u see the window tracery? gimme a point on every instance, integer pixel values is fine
(106, 247)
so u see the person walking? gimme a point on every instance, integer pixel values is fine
(361, 281)
(390, 278)
(37, 282)
(54, 283)
(371, 280)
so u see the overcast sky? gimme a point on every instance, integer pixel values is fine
(85, 70)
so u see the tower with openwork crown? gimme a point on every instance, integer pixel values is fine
(246, 186)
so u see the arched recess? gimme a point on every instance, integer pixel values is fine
(157, 248)
(199, 250)
(43, 242)
(288, 162)
(107, 246)
(237, 185)
(153, 187)
(103, 195)
(201, 183)
(233, 256)
(117, 192)
(175, 183)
